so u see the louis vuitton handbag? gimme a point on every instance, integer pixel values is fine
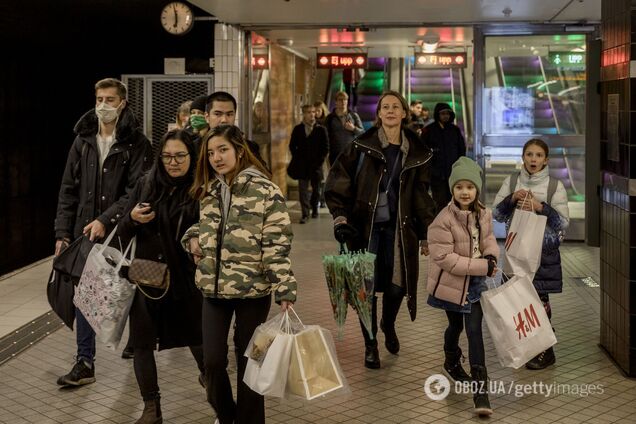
(146, 273)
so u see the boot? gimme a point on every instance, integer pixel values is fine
(152, 413)
(453, 366)
(480, 397)
(391, 341)
(542, 360)
(372, 357)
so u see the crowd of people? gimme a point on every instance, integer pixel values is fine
(201, 201)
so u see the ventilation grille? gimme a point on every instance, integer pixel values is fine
(154, 99)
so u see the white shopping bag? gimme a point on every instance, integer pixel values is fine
(524, 242)
(517, 322)
(103, 297)
(270, 376)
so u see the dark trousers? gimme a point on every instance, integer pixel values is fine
(352, 91)
(309, 202)
(146, 370)
(217, 317)
(391, 302)
(441, 194)
(472, 320)
(85, 337)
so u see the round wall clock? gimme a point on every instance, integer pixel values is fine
(177, 18)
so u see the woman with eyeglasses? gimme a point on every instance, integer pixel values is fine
(160, 211)
(241, 245)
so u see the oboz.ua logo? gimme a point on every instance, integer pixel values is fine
(437, 387)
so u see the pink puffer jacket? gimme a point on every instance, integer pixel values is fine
(450, 264)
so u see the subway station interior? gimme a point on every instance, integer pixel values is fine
(511, 70)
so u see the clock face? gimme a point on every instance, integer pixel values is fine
(177, 18)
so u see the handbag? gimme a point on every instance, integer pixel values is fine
(517, 321)
(382, 210)
(59, 292)
(148, 273)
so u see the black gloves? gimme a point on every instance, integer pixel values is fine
(492, 262)
(344, 232)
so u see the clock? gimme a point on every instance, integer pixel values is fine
(177, 18)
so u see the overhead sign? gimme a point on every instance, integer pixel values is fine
(566, 58)
(440, 60)
(341, 60)
(260, 61)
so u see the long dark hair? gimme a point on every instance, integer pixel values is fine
(157, 182)
(244, 158)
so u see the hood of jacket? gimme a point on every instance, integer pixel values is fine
(226, 190)
(88, 124)
(440, 107)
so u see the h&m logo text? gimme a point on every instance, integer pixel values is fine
(531, 321)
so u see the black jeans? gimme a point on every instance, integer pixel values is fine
(217, 317)
(146, 370)
(307, 203)
(456, 320)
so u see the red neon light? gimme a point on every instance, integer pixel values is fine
(360, 60)
(324, 60)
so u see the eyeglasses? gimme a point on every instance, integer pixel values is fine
(179, 158)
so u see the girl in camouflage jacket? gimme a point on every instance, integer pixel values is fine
(241, 246)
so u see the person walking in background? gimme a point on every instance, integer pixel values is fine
(343, 126)
(416, 123)
(182, 118)
(158, 213)
(377, 193)
(309, 147)
(198, 122)
(321, 113)
(321, 117)
(533, 189)
(241, 246)
(445, 139)
(463, 251)
(105, 161)
(350, 79)
(425, 114)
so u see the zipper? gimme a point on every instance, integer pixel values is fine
(470, 252)
(439, 278)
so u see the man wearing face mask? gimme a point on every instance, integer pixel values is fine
(105, 161)
(198, 122)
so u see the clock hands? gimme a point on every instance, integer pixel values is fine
(176, 16)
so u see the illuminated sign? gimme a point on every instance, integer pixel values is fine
(440, 60)
(566, 58)
(260, 61)
(341, 60)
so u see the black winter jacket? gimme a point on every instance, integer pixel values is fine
(447, 144)
(88, 193)
(308, 152)
(339, 137)
(355, 197)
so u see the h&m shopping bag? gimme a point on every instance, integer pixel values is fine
(524, 242)
(269, 354)
(102, 295)
(517, 321)
(314, 369)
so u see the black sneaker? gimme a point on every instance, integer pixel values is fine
(314, 214)
(80, 375)
(542, 360)
(303, 220)
(128, 353)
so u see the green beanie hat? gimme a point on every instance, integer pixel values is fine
(465, 169)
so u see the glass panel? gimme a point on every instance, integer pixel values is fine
(261, 133)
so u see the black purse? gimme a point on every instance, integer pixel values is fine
(71, 260)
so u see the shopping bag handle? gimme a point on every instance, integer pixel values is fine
(290, 308)
(106, 242)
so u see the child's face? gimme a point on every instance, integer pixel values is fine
(464, 193)
(534, 159)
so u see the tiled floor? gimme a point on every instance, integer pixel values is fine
(393, 394)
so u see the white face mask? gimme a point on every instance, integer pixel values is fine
(106, 113)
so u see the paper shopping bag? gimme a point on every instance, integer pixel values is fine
(524, 242)
(314, 370)
(270, 376)
(517, 322)
(102, 295)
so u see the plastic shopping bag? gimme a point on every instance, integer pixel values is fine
(102, 295)
(524, 242)
(314, 369)
(268, 356)
(517, 321)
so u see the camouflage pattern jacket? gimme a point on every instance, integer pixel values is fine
(246, 247)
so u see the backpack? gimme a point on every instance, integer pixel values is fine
(552, 185)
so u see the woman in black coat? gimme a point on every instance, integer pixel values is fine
(387, 165)
(159, 212)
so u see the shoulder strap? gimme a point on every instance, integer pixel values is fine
(552, 186)
(513, 181)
